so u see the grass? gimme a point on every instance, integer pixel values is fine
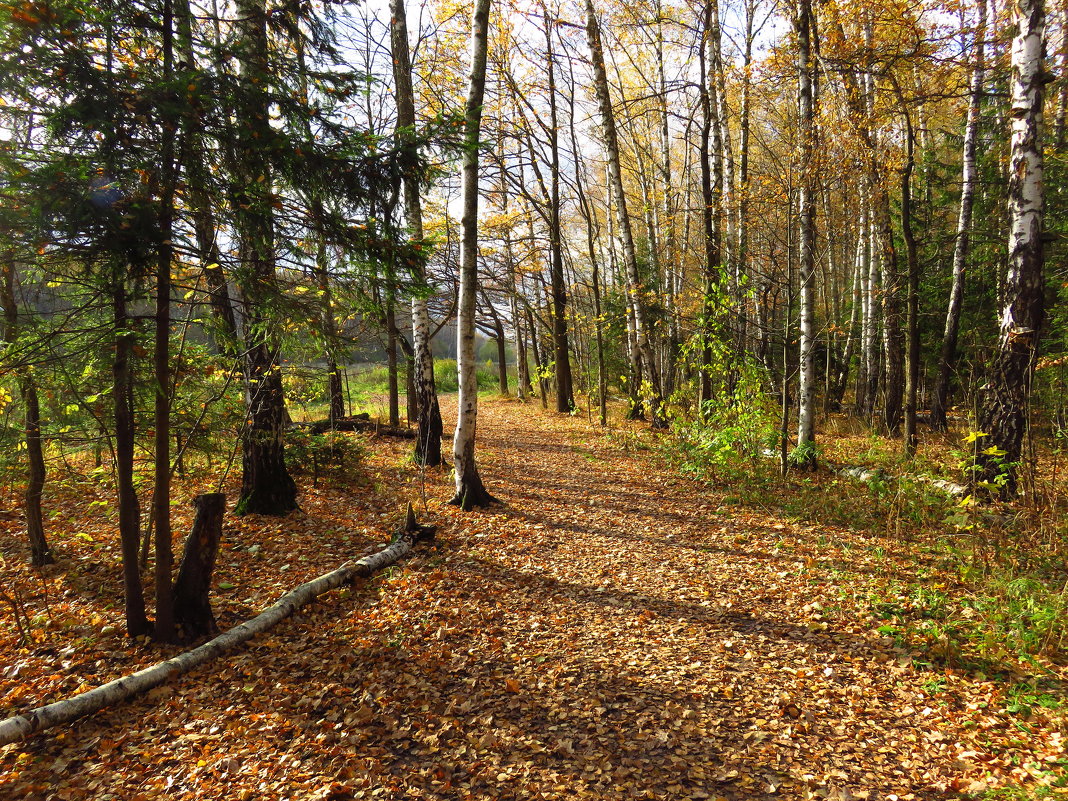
(366, 388)
(960, 588)
(973, 586)
(365, 383)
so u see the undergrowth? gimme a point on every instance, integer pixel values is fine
(372, 381)
(959, 585)
(366, 388)
(988, 585)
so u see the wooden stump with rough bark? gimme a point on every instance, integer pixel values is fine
(192, 604)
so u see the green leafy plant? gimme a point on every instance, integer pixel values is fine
(307, 451)
(805, 454)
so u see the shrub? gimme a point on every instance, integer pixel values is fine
(330, 450)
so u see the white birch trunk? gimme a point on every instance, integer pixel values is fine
(854, 324)
(806, 420)
(428, 438)
(742, 194)
(470, 491)
(1062, 94)
(940, 398)
(667, 215)
(1005, 409)
(875, 271)
(635, 287)
(725, 151)
(70, 709)
(867, 323)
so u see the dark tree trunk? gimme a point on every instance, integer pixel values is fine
(335, 386)
(391, 358)
(411, 402)
(40, 554)
(893, 334)
(192, 602)
(711, 195)
(336, 389)
(428, 439)
(635, 404)
(129, 510)
(502, 360)
(538, 367)
(565, 393)
(266, 486)
(422, 386)
(912, 297)
(522, 368)
(161, 492)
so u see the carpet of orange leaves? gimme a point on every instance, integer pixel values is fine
(611, 631)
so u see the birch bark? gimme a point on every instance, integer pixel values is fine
(635, 286)
(860, 98)
(711, 190)
(806, 419)
(669, 247)
(961, 247)
(742, 226)
(32, 721)
(1004, 415)
(470, 491)
(429, 426)
(867, 321)
(842, 377)
(874, 332)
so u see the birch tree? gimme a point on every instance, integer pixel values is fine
(711, 157)
(1005, 410)
(429, 427)
(940, 397)
(470, 491)
(806, 89)
(635, 285)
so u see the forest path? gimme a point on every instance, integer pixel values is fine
(611, 631)
(668, 646)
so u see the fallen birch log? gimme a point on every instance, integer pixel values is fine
(867, 474)
(142, 681)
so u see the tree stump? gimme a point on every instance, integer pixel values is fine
(192, 605)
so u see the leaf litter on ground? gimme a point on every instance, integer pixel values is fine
(612, 631)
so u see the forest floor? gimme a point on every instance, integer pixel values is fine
(611, 631)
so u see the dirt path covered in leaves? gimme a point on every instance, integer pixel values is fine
(612, 631)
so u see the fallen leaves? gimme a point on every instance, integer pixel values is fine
(563, 646)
